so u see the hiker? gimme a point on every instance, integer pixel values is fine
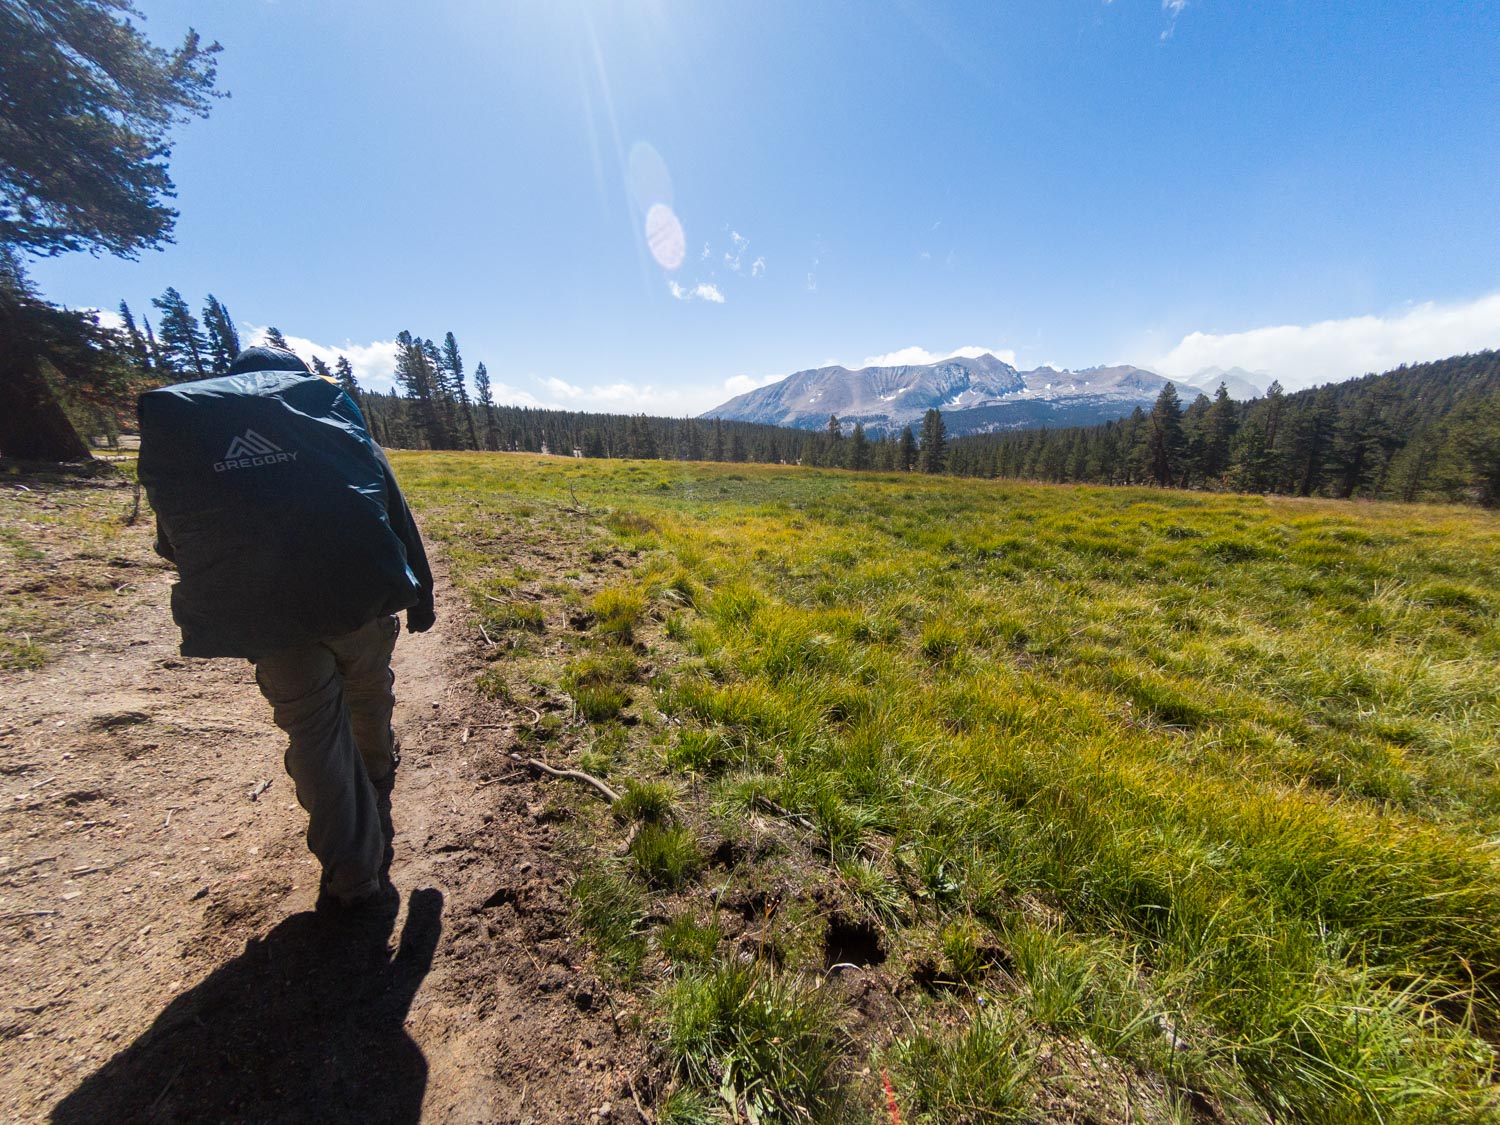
(295, 549)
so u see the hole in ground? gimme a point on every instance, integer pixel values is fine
(850, 942)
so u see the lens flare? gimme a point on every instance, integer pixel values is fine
(664, 236)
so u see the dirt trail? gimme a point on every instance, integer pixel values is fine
(159, 958)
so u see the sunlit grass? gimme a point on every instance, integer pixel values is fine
(1210, 783)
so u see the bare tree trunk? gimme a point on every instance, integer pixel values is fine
(33, 427)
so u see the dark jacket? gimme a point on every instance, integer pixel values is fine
(282, 516)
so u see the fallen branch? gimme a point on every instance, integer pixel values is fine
(571, 775)
(767, 805)
(485, 634)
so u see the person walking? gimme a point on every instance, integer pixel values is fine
(295, 549)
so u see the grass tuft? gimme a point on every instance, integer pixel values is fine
(666, 856)
(766, 1042)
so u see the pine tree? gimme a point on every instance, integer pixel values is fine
(906, 455)
(934, 454)
(716, 447)
(859, 448)
(320, 369)
(1220, 425)
(343, 374)
(223, 340)
(444, 395)
(184, 348)
(275, 339)
(487, 400)
(140, 352)
(415, 377)
(1165, 443)
(454, 364)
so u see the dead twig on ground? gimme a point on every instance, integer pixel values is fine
(571, 775)
(18, 915)
(483, 632)
(765, 804)
(578, 508)
(635, 830)
(639, 1108)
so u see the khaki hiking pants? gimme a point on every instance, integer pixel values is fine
(334, 701)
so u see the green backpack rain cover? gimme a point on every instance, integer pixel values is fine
(272, 501)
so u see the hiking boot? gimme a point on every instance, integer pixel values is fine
(369, 901)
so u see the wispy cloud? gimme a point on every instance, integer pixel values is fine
(703, 291)
(1173, 9)
(734, 256)
(1332, 350)
(758, 267)
(917, 357)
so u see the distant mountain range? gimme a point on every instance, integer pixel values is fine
(979, 395)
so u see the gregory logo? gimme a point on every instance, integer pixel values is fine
(251, 451)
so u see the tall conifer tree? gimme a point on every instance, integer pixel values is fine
(934, 455)
(184, 348)
(223, 340)
(455, 365)
(487, 400)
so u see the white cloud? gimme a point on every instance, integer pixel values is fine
(374, 363)
(563, 388)
(703, 291)
(616, 398)
(758, 267)
(917, 357)
(1332, 350)
(739, 384)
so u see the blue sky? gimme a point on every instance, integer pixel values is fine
(1310, 189)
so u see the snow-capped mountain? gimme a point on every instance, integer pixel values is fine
(975, 396)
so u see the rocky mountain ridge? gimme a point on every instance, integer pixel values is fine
(976, 395)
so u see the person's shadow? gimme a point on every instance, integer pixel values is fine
(306, 1025)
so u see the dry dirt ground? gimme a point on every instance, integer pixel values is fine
(159, 956)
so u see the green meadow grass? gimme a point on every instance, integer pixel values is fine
(1203, 785)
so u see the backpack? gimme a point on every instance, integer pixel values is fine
(272, 501)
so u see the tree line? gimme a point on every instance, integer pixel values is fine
(1428, 431)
